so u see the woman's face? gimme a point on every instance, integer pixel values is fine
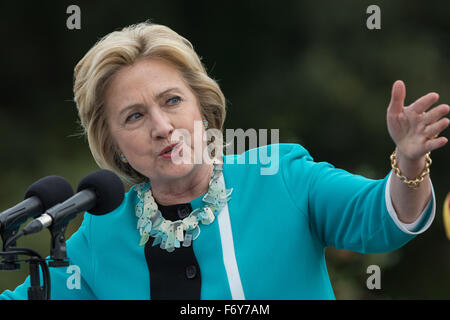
(145, 103)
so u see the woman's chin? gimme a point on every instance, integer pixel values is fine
(175, 170)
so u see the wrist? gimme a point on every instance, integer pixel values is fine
(410, 168)
(410, 171)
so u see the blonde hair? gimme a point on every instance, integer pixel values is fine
(123, 48)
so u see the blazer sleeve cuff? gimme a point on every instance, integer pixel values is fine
(418, 226)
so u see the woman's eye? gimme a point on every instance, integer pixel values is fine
(174, 100)
(133, 116)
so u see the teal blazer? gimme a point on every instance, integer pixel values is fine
(268, 243)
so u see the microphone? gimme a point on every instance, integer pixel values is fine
(40, 196)
(100, 192)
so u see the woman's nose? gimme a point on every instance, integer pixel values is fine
(161, 126)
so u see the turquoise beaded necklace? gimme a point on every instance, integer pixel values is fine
(172, 234)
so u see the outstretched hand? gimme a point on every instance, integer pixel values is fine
(415, 131)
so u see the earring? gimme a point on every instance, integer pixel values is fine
(205, 123)
(123, 158)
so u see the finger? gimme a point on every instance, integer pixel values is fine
(437, 143)
(436, 127)
(397, 97)
(436, 113)
(423, 103)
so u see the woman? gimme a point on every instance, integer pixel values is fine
(200, 230)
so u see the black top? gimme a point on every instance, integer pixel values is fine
(173, 275)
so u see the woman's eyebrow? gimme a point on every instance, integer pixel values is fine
(158, 96)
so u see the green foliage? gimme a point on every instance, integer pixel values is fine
(309, 68)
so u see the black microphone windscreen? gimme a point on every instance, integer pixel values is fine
(108, 188)
(51, 190)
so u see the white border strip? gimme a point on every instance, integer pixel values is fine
(229, 258)
(405, 227)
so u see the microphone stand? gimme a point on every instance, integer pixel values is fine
(35, 291)
(58, 250)
(58, 258)
(9, 261)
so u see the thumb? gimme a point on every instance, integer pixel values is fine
(397, 97)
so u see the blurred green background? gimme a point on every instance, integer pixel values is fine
(310, 68)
